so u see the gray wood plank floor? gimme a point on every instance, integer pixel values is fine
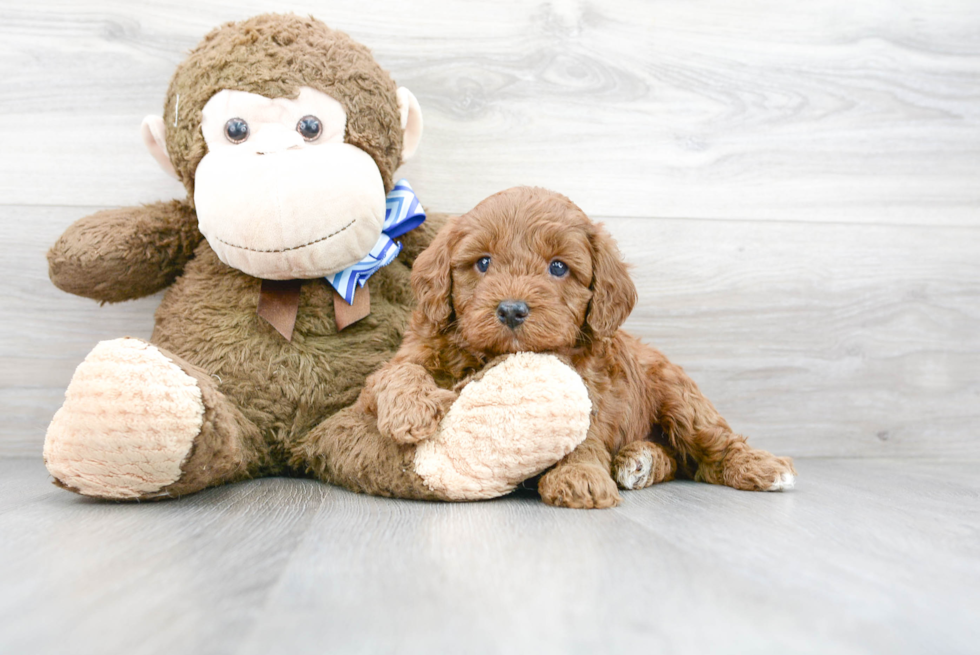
(874, 556)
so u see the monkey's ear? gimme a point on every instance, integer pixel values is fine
(154, 134)
(411, 114)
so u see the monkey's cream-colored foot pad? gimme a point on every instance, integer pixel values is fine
(521, 417)
(129, 420)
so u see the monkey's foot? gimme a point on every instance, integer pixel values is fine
(129, 421)
(519, 418)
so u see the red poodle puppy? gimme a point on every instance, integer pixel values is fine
(526, 270)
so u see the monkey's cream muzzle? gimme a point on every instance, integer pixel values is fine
(278, 202)
(291, 213)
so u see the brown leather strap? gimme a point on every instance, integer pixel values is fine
(347, 314)
(278, 304)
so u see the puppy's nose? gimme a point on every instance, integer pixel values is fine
(512, 312)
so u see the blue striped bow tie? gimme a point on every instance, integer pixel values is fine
(402, 213)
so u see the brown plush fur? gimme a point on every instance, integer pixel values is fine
(273, 55)
(262, 394)
(455, 331)
(122, 254)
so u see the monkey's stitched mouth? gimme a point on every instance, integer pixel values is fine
(305, 245)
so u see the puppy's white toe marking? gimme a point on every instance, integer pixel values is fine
(785, 480)
(635, 472)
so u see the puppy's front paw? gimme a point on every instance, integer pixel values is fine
(409, 420)
(579, 486)
(751, 469)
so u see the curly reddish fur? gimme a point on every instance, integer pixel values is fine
(455, 331)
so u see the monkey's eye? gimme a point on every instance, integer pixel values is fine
(309, 127)
(482, 264)
(236, 130)
(558, 268)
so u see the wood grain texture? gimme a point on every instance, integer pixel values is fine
(819, 339)
(99, 589)
(876, 556)
(863, 112)
(815, 339)
(830, 304)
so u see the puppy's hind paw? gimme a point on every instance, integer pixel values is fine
(641, 464)
(786, 480)
(751, 469)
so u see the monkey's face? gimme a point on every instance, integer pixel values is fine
(279, 195)
(287, 134)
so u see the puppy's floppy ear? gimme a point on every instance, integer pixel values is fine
(613, 292)
(432, 279)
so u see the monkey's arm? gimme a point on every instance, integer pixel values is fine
(417, 240)
(121, 254)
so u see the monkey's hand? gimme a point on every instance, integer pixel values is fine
(121, 254)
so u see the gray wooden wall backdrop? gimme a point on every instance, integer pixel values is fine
(796, 184)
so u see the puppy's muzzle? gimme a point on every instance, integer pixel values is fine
(512, 312)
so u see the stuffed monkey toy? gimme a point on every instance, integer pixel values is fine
(286, 272)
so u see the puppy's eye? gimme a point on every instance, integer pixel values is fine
(236, 130)
(309, 127)
(558, 268)
(482, 264)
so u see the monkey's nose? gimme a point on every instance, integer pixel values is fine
(270, 139)
(512, 312)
